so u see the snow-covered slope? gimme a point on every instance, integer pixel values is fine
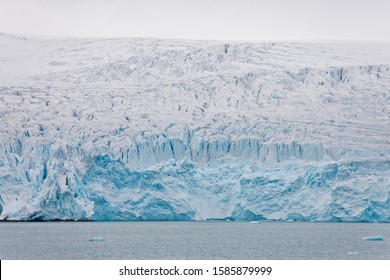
(130, 129)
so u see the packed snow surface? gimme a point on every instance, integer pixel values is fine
(149, 129)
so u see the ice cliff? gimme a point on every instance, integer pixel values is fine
(149, 129)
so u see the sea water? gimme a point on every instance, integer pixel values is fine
(192, 240)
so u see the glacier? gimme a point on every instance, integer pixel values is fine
(151, 129)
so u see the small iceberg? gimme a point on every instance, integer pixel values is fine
(373, 238)
(97, 239)
(255, 222)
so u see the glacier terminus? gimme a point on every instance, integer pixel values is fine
(152, 129)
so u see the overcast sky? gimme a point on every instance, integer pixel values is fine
(200, 19)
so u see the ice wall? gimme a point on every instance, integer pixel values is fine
(147, 129)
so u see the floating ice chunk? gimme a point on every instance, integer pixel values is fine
(97, 239)
(373, 238)
(255, 222)
(352, 253)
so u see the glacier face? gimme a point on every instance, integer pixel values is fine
(149, 129)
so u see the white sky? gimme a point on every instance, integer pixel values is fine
(200, 19)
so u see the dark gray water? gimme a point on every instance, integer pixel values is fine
(193, 240)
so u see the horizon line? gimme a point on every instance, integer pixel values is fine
(66, 37)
